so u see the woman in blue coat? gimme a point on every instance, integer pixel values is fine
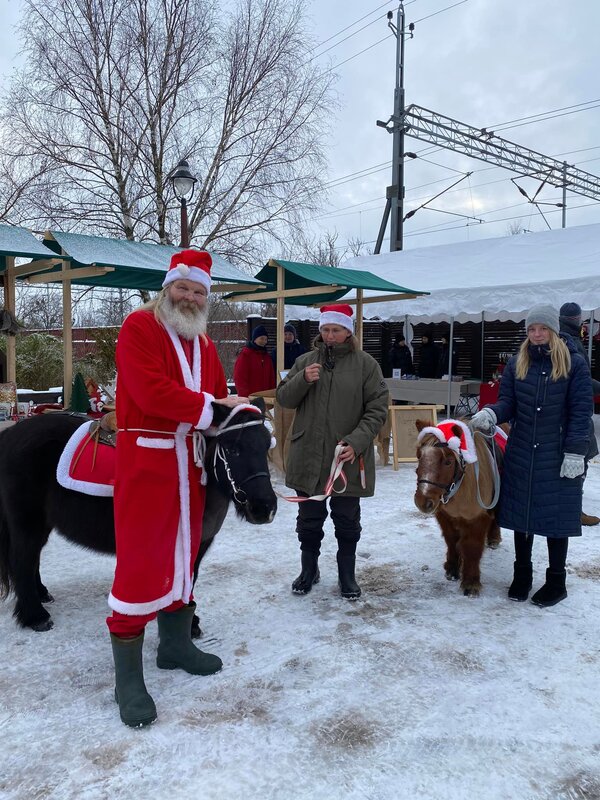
(546, 395)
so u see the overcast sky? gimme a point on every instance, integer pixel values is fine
(481, 62)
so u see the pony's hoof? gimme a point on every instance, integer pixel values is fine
(46, 597)
(451, 576)
(41, 627)
(493, 545)
(471, 591)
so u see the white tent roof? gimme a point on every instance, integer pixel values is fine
(501, 277)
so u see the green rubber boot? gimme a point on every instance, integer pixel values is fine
(175, 648)
(136, 707)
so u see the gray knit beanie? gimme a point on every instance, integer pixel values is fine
(543, 315)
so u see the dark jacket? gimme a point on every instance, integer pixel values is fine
(571, 332)
(429, 357)
(349, 402)
(291, 352)
(401, 358)
(253, 370)
(444, 362)
(548, 419)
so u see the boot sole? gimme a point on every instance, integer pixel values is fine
(173, 665)
(138, 723)
(306, 591)
(549, 603)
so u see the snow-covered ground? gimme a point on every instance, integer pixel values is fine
(412, 692)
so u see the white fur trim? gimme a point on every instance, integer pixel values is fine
(64, 463)
(183, 271)
(136, 609)
(454, 443)
(470, 453)
(158, 444)
(336, 318)
(206, 417)
(435, 431)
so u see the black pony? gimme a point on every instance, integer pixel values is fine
(32, 502)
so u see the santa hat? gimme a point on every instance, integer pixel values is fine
(336, 315)
(190, 265)
(446, 435)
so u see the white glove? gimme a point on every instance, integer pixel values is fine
(572, 466)
(484, 420)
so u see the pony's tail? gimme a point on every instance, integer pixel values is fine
(5, 576)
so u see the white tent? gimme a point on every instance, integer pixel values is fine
(500, 278)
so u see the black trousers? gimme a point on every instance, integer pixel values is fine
(345, 515)
(557, 550)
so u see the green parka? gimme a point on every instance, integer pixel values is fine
(349, 402)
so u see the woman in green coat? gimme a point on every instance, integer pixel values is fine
(340, 398)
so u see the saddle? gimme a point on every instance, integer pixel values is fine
(104, 429)
(87, 463)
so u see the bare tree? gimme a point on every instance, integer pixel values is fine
(114, 93)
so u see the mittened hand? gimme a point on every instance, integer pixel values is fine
(484, 420)
(572, 466)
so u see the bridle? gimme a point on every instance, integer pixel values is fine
(450, 489)
(220, 455)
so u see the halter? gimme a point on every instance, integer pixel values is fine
(221, 455)
(450, 489)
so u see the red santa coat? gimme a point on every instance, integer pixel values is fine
(253, 371)
(159, 501)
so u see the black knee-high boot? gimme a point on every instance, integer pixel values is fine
(554, 590)
(346, 561)
(309, 574)
(523, 569)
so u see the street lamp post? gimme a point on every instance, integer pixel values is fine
(183, 185)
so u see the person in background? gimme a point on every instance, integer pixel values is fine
(169, 378)
(253, 370)
(292, 348)
(400, 356)
(444, 360)
(429, 356)
(570, 327)
(341, 399)
(546, 395)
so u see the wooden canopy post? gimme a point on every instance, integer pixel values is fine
(359, 317)
(10, 306)
(280, 319)
(67, 343)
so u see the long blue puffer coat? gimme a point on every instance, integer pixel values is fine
(549, 418)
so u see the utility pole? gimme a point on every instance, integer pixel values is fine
(394, 206)
(397, 208)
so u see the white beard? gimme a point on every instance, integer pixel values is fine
(189, 323)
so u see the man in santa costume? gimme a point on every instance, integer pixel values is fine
(169, 375)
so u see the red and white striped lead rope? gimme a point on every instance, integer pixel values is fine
(336, 471)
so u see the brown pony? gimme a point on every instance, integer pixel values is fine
(466, 526)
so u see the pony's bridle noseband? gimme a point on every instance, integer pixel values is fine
(239, 495)
(450, 489)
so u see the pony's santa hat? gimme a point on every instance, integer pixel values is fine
(191, 265)
(336, 315)
(447, 434)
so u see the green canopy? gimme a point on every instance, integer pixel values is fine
(130, 265)
(300, 276)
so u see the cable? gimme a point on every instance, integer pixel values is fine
(435, 13)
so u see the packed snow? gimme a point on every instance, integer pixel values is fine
(414, 691)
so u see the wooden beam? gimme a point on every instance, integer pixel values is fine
(37, 266)
(217, 288)
(279, 359)
(359, 317)
(288, 293)
(10, 305)
(67, 343)
(70, 274)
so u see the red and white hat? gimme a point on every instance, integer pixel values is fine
(446, 432)
(336, 315)
(190, 265)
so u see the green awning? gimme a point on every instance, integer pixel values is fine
(135, 265)
(304, 276)
(21, 243)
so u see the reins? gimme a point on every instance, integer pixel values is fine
(335, 471)
(495, 471)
